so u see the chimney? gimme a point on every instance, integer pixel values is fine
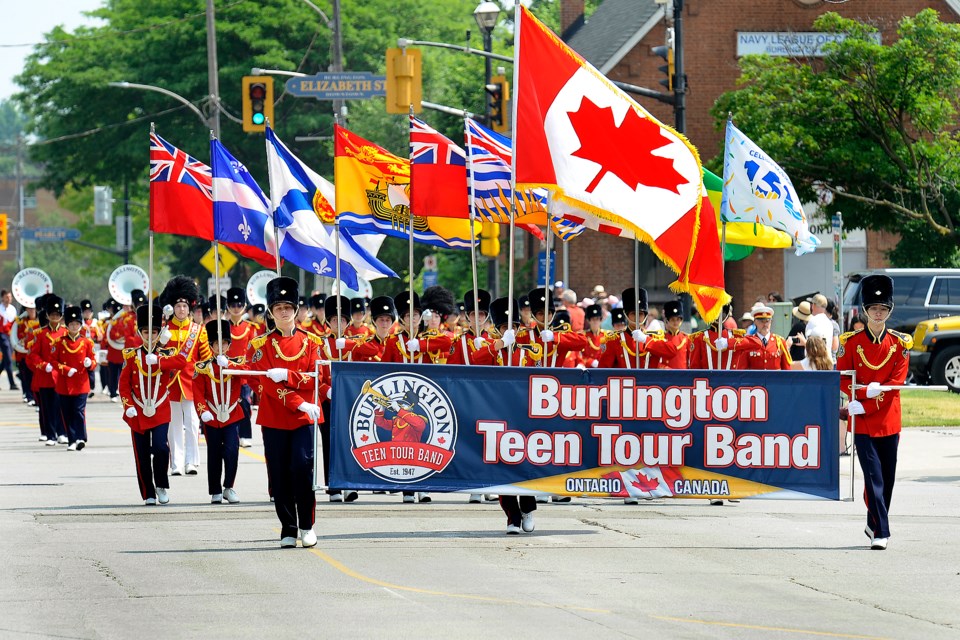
(571, 17)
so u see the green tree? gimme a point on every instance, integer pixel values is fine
(873, 123)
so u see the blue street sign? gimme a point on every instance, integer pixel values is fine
(544, 280)
(430, 278)
(338, 86)
(50, 234)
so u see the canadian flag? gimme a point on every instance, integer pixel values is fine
(582, 138)
(646, 482)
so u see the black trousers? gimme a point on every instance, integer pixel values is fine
(245, 426)
(104, 377)
(514, 506)
(289, 454)
(152, 456)
(51, 420)
(878, 461)
(114, 378)
(7, 363)
(74, 411)
(26, 379)
(325, 446)
(223, 456)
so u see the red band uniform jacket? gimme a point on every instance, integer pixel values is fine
(773, 356)
(132, 393)
(280, 402)
(704, 355)
(207, 378)
(189, 340)
(69, 354)
(42, 353)
(883, 359)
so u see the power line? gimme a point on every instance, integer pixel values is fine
(90, 132)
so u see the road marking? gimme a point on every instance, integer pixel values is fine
(251, 454)
(342, 568)
(809, 632)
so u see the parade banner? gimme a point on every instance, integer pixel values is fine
(595, 433)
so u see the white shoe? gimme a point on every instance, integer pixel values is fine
(288, 542)
(42, 438)
(475, 498)
(542, 499)
(716, 503)
(104, 391)
(115, 399)
(526, 522)
(162, 496)
(489, 497)
(231, 495)
(512, 530)
(62, 440)
(72, 447)
(868, 532)
(409, 499)
(150, 502)
(308, 538)
(51, 443)
(424, 497)
(879, 544)
(733, 501)
(216, 498)
(31, 403)
(350, 496)
(560, 498)
(81, 444)
(191, 469)
(246, 443)
(176, 472)
(336, 497)
(631, 501)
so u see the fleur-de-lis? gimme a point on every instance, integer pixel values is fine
(321, 268)
(244, 228)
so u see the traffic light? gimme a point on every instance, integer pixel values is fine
(490, 239)
(4, 235)
(499, 92)
(404, 81)
(669, 71)
(257, 95)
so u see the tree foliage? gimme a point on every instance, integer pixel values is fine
(873, 123)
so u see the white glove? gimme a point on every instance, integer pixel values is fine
(547, 335)
(341, 343)
(48, 368)
(103, 315)
(582, 367)
(874, 389)
(167, 310)
(395, 405)
(413, 345)
(277, 374)
(71, 372)
(223, 360)
(855, 408)
(131, 412)
(721, 344)
(206, 416)
(594, 364)
(478, 343)
(330, 393)
(151, 359)
(639, 336)
(164, 336)
(509, 337)
(87, 362)
(312, 410)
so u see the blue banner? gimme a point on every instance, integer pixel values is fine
(598, 433)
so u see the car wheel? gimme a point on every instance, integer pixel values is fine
(946, 368)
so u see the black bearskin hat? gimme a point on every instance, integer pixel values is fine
(180, 289)
(438, 299)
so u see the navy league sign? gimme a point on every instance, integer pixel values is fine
(601, 433)
(338, 86)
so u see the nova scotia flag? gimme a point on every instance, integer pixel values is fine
(302, 201)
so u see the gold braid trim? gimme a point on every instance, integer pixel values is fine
(276, 348)
(876, 367)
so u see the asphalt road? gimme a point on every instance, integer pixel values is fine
(81, 557)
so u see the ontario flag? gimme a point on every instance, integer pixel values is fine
(595, 149)
(181, 198)
(438, 173)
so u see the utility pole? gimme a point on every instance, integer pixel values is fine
(680, 85)
(493, 264)
(20, 259)
(336, 59)
(213, 82)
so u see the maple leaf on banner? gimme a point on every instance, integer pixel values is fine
(605, 143)
(441, 440)
(643, 483)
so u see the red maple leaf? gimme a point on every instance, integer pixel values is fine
(624, 151)
(643, 483)
(441, 439)
(364, 438)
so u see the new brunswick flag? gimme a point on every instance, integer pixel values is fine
(595, 149)
(373, 196)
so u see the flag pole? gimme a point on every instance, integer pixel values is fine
(410, 328)
(222, 404)
(273, 217)
(513, 166)
(473, 233)
(636, 297)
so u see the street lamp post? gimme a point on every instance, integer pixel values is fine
(486, 15)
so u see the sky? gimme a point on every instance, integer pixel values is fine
(25, 22)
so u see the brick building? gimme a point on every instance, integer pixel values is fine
(617, 39)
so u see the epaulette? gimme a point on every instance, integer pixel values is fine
(203, 368)
(129, 352)
(739, 332)
(166, 352)
(238, 360)
(259, 341)
(655, 334)
(846, 336)
(314, 338)
(906, 340)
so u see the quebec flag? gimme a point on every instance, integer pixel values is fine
(299, 197)
(757, 190)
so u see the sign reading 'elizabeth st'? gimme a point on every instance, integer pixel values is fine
(338, 86)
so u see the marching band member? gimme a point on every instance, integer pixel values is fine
(222, 433)
(144, 381)
(636, 348)
(93, 331)
(673, 315)
(526, 316)
(241, 333)
(357, 327)
(383, 313)
(880, 356)
(21, 337)
(556, 344)
(74, 356)
(121, 327)
(188, 339)
(769, 351)
(596, 337)
(304, 319)
(8, 316)
(42, 362)
(402, 346)
(287, 355)
(475, 313)
(719, 348)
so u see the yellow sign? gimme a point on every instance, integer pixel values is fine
(227, 260)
